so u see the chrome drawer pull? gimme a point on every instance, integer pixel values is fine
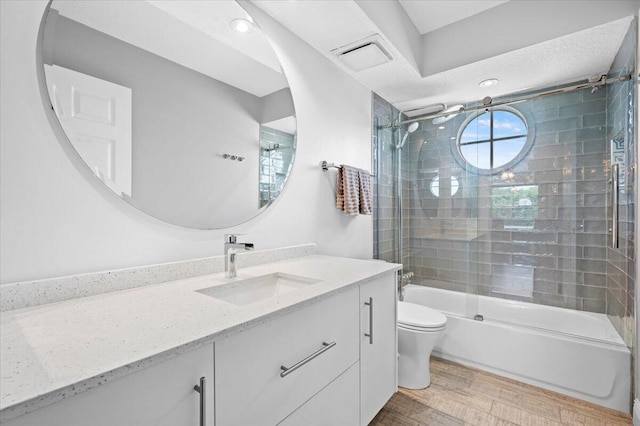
(370, 333)
(203, 401)
(288, 370)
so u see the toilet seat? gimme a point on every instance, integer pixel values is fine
(420, 318)
(421, 329)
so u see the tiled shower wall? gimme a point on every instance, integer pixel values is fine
(620, 136)
(559, 258)
(458, 242)
(384, 214)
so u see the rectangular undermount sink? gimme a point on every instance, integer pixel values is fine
(257, 289)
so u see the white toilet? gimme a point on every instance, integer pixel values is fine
(419, 328)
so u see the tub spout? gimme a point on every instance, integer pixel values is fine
(403, 279)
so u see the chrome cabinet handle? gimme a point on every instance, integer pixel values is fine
(203, 400)
(288, 370)
(614, 205)
(370, 334)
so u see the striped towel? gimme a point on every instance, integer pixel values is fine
(348, 190)
(365, 191)
(353, 192)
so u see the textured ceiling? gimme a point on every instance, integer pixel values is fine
(561, 60)
(465, 42)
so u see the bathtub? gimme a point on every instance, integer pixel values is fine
(575, 353)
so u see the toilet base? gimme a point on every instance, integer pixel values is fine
(413, 373)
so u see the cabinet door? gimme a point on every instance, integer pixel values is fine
(378, 345)
(161, 395)
(335, 405)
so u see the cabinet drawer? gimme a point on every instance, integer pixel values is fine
(335, 405)
(249, 387)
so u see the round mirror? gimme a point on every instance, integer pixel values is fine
(181, 108)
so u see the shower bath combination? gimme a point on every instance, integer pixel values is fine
(473, 249)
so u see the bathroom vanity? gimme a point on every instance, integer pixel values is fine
(306, 341)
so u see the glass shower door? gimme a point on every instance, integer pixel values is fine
(441, 212)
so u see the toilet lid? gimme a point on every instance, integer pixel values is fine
(419, 316)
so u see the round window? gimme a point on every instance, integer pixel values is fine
(494, 140)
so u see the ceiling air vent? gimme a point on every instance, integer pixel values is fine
(364, 54)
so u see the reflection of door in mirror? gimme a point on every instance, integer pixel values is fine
(96, 116)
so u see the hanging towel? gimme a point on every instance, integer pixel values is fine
(353, 190)
(339, 190)
(364, 178)
(348, 190)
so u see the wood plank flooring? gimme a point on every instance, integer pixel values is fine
(461, 395)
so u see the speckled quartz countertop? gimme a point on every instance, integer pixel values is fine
(53, 351)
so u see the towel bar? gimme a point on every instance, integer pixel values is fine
(326, 166)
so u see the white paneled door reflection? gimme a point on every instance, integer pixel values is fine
(96, 116)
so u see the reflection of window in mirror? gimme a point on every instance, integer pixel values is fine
(516, 205)
(435, 186)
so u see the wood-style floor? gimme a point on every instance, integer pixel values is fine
(460, 395)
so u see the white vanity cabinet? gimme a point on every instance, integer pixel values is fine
(345, 384)
(161, 395)
(378, 345)
(327, 361)
(316, 344)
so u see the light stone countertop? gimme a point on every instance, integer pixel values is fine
(53, 351)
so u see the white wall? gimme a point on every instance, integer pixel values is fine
(54, 221)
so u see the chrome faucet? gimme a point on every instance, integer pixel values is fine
(231, 246)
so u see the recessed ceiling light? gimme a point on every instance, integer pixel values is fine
(241, 25)
(441, 127)
(489, 82)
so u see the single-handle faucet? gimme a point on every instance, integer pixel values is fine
(231, 246)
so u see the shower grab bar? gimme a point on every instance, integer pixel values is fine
(326, 166)
(614, 205)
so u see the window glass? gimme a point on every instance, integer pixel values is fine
(507, 124)
(478, 129)
(506, 150)
(493, 139)
(478, 155)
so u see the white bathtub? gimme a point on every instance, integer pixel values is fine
(575, 353)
